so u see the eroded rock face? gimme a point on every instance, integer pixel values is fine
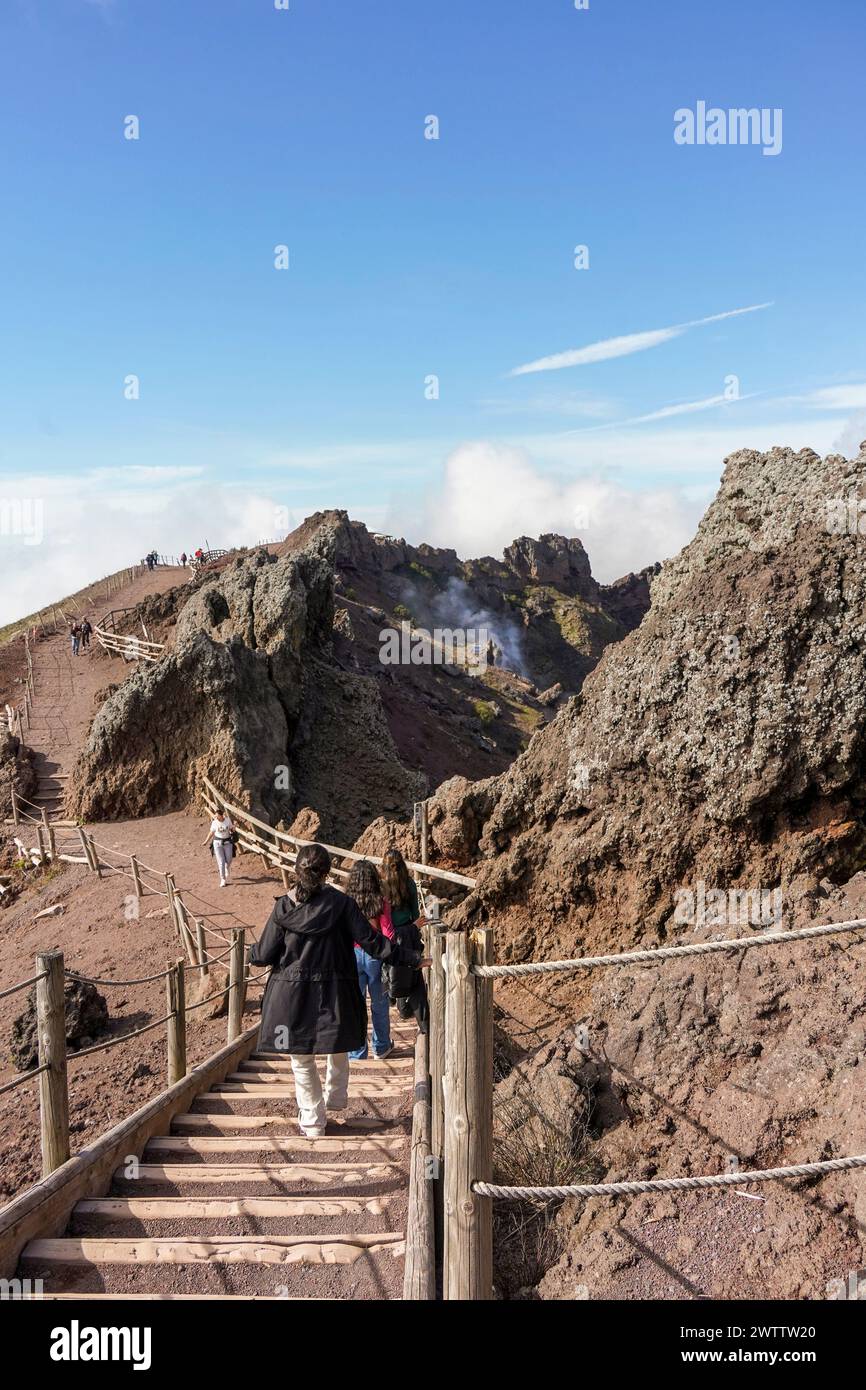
(723, 740)
(16, 771)
(235, 699)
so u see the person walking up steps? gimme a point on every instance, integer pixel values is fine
(221, 838)
(312, 1005)
(86, 632)
(75, 637)
(365, 887)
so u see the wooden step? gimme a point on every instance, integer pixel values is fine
(268, 1250)
(277, 1089)
(371, 1085)
(397, 1067)
(209, 1208)
(289, 1143)
(191, 1297)
(316, 1174)
(213, 1119)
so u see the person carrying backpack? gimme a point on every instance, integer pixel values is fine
(86, 632)
(405, 986)
(312, 1004)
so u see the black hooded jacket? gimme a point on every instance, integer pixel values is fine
(313, 1002)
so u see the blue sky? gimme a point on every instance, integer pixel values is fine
(263, 390)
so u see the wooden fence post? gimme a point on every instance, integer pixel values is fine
(425, 834)
(175, 998)
(94, 857)
(51, 1030)
(15, 820)
(40, 835)
(419, 1277)
(468, 1256)
(236, 984)
(436, 986)
(201, 948)
(136, 876)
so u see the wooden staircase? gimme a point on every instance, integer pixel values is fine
(234, 1202)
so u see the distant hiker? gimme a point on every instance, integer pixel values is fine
(312, 1005)
(75, 637)
(365, 887)
(86, 633)
(183, 558)
(221, 838)
(406, 988)
(149, 559)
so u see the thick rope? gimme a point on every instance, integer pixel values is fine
(629, 1189)
(91, 980)
(19, 1080)
(115, 1042)
(25, 984)
(700, 948)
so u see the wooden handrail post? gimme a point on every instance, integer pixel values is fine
(51, 1031)
(425, 833)
(437, 1043)
(84, 845)
(15, 820)
(201, 948)
(236, 984)
(94, 857)
(468, 1218)
(175, 999)
(136, 876)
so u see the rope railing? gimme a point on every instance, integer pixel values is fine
(461, 983)
(93, 980)
(22, 1080)
(699, 948)
(24, 984)
(632, 1189)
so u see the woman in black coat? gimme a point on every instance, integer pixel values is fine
(312, 1004)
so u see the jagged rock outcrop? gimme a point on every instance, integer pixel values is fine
(16, 771)
(235, 698)
(86, 1014)
(723, 740)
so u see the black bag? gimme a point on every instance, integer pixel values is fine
(400, 980)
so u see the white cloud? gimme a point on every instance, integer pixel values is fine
(850, 397)
(625, 345)
(492, 493)
(667, 411)
(89, 530)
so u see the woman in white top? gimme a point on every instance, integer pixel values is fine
(221, 830)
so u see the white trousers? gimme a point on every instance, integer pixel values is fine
(223, 853)
(312, 1101)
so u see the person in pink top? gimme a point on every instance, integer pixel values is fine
(365, 887)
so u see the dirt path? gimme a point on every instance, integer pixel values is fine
(66, 686)
(96, 932)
